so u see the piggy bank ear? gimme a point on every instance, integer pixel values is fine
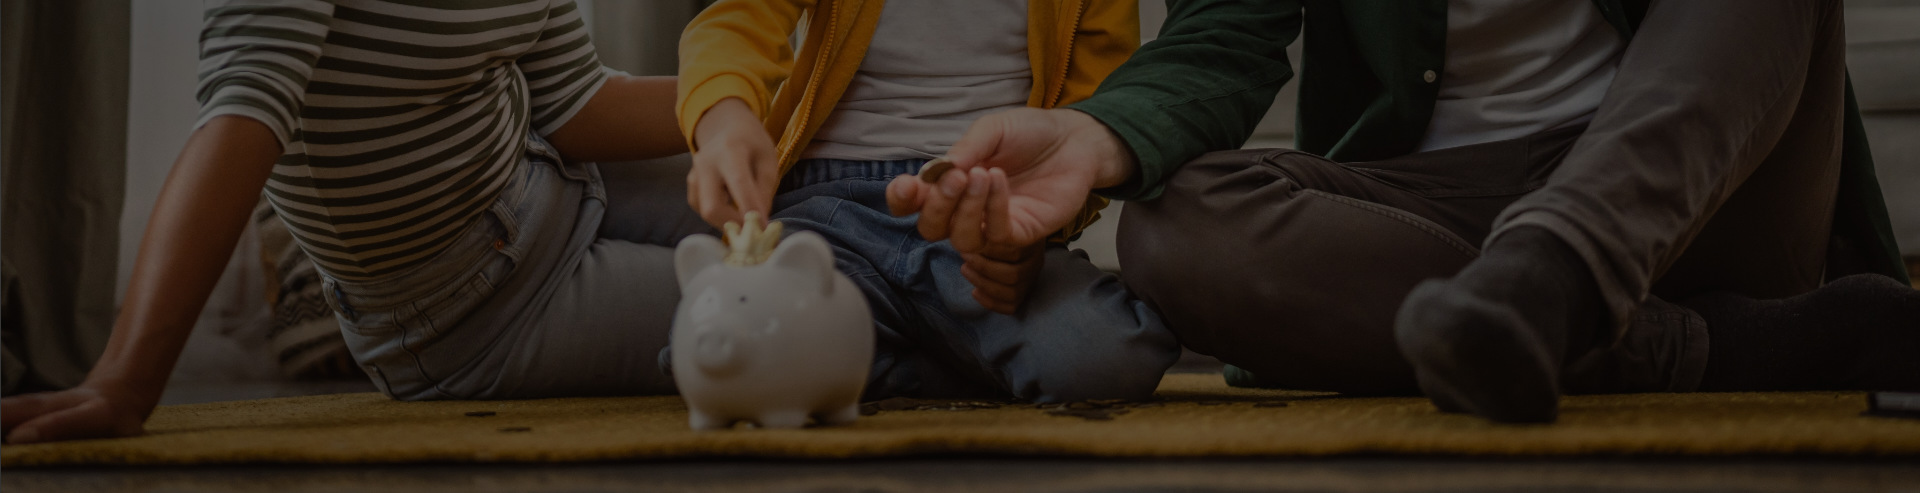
(696, 253)
(807, 252)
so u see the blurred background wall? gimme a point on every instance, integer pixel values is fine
(1883, 55)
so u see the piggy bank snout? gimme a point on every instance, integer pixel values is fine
(718, 351)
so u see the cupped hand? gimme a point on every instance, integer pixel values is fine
(736, 169)
(1052, 159)
(79, 413)
(1001, 270)
(1019, 176)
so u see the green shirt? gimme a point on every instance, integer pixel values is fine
(1217, 65)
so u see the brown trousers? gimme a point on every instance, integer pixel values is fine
(1712, 164)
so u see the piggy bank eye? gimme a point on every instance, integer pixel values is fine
(743, 299)
(706, 305)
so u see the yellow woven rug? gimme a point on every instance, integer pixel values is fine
(1197, 416)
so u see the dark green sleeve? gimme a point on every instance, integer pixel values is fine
(1201, 86)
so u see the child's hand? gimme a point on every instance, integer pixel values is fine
(735, 170)
(1002, 284)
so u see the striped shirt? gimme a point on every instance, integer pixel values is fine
(400, 119)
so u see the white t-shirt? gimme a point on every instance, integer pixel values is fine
(933, 67)
(1519, 67)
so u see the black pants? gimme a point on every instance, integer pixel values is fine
(1712, 164)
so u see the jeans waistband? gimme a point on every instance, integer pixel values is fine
(809, 172)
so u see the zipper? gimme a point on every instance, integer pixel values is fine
(1060, 82)
(804, 112)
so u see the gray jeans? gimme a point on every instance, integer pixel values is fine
(1079, 336)
(1712, 164)
(564, 287)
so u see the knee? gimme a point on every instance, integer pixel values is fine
(1157, 244)
(1202, 217)
(1184, 267)
(1127, 373)
(1096, 356)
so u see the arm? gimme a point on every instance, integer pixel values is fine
(731, 56)
(587, 111)
(629, 118)
(1200, 87)
(1001, 273)
(255, 59)
(735, 49)
(203, 208)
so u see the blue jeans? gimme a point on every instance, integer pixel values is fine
(1081, 334)
(563, 287)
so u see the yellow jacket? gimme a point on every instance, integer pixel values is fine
(740, 48)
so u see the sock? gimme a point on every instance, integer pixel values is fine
(1492, 340)
(1860, 332)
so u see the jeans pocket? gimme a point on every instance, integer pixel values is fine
(440, 312)
(432, 350)
(402, 337)
(373, 338)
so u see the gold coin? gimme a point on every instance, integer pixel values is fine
(931, 171)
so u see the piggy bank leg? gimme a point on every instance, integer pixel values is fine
(841, 416)
(701, 421)
(783, 419)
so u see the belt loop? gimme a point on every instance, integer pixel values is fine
(509, 224)
(809, 172)
(345, 308)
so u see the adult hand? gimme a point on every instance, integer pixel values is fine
(202, 211)
(87, 411)
(1019, 176)
(1001, 270)
(1052, 159)
(735, 169)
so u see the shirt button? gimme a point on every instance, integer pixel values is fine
(499, 244)
(1429, 76)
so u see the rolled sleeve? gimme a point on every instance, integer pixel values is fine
(563, 71)
(256, 57)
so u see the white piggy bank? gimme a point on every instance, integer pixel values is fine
(772, 344)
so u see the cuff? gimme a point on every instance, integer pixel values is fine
(702, 97)
(1125, 117)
